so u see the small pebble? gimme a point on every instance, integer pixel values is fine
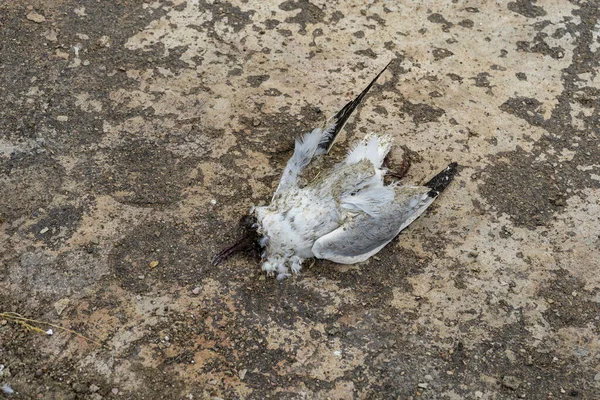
(511, 382)
(115, 391)
(62, 118)
(478, 394)
(94, 388)
(196, 290)
(428, 377)
(423, 385)
(35, 17)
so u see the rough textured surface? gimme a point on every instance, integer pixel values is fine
(133, 133)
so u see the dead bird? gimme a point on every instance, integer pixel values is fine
(345, 215)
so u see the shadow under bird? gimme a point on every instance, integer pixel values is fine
(344, 215)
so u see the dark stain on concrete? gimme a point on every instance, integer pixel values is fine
(165, 242)
(421, 112)
(309, 13)
(527, 190)
(145, 174)
(569, 304)
(439, 19)
(256, 80)
(29, 182)
(58, 224)
(439, 53)
(466, 23)
(526, 8)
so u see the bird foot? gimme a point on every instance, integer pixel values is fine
(401, 171)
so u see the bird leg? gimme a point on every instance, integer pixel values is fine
(401, 171)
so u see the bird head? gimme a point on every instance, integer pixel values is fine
(250, 241)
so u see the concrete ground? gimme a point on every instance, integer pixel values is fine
(134, 135)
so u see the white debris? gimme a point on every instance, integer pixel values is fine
(80, 11)
(49, 332)
(7, 390)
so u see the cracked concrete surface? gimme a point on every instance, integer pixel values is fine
(134, 135)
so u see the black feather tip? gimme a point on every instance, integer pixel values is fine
(438, 183)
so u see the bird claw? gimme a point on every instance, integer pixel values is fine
(401, 171)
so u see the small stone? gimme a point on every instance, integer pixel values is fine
(478, 394)
(574, 294)
(86, 63)
(196, 290)
(38, 373)
(153, 264)
(255, 122)
(94, 388)
(80, 11)
(473, 254)
(62, 118)
(60, 305)
(550, 301)
(51, 36)
(511, 382)
(115, 391)
(428, 377)
(46, 229)
(79, 387)
(242, 373)
(35, 17)
(3, 322)
(104, 41)
(423, 385)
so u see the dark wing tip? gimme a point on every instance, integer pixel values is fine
(438, 183)
(341, 117)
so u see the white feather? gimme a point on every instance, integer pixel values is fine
(373, 147)
(304, 151)
(370, 200)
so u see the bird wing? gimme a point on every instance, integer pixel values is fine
(318, 142)
(338, 121)
(375, 218)
(366, 232)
